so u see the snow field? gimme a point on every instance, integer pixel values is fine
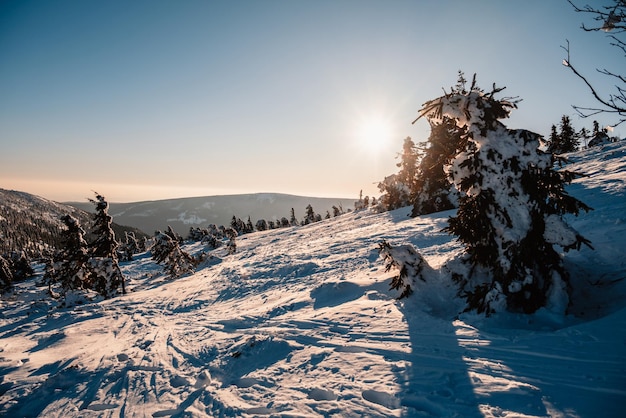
(300, 323)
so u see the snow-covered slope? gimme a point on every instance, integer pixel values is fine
(300, 322)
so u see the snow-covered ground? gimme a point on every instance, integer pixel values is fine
(300, 323)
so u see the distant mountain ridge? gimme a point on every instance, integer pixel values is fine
(33, 224)
(184, 213)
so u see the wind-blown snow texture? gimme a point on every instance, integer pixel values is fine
(300, 322)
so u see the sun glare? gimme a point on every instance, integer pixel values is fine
(374, 134)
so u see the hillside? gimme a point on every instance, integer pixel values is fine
(299, 322)
(33, 224)
(182, 214)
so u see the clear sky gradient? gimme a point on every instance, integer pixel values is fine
(145, 100)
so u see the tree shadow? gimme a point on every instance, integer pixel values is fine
(436, 381)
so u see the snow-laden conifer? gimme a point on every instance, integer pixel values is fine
(410, 264)
(167, 251)
(6, 275)
(70, 269)
(106, 274)
(511, 213)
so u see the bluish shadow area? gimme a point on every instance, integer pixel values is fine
(436, 381)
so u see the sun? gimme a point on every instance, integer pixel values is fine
(374, 134)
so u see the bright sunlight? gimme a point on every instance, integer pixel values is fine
(374, 134)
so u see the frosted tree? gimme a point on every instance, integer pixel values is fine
(309, 215)
(231, 234)
(167, 251)
(510, 216)
(397, 190)
(293, 221)
(409, 263)
(107, 276)
(6, 275)
(261, 225)
(70, 268)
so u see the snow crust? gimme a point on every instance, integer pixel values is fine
(300, 322)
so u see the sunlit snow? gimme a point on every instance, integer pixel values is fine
(300, 322)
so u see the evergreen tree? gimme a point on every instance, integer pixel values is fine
(408, 166)
(167, 250)
(409, 263)
(107, 275)
(70, 268)
(20, 266)
(231, 234)
(511, 213)
(261, 225)
(434, 193)
(596, 129)
(249, 227)
(309, 216)
(293, 221)
(6, 275)
(584, 136)
(399, 189)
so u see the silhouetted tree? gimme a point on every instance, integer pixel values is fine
(433, 190)
(610, 18)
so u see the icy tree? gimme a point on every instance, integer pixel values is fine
(511, 214)
(261, 225)
(309, 215)
(398, 189)
(70, 268)
(409, 263)
(6, 275)
(107, 276)
(293, 221)
(231, 234)
(167, 251)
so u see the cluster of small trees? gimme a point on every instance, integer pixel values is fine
(81, 265)
(567, 139)
(262, 225)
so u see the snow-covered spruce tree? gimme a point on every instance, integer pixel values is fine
(397, 190)
(261, 225)
(20, 266)
(70, 268)
(293, 221)
(167, 251)
(231, 234)
(6, 275)
(409, 263)
(511, 214)
(309, 215)
(106, 273)
(433, 191)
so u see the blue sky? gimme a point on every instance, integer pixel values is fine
(144, 100)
